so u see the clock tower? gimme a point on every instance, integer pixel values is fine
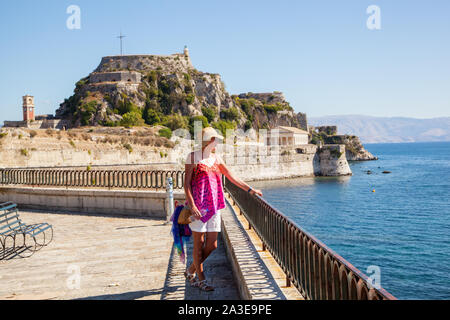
(28, 108)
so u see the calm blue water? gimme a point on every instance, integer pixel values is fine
(403, 227)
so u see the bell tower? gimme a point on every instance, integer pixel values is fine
(28, 108)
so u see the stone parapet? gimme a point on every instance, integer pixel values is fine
(95, 201)
(331, 161)
(118, 76)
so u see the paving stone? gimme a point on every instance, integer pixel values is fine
(118, 258)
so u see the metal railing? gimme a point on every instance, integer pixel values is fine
(136, 179)
(314, 269)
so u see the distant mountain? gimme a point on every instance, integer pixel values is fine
(396, 129)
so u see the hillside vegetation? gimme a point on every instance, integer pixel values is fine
(171, 93)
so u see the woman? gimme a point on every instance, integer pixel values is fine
(204, 194)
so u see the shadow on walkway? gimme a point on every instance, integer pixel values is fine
(89, 214)
(21, 252)
(259, 278)
(217, 270)
(133, 295)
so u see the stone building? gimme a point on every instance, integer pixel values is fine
(287, 136)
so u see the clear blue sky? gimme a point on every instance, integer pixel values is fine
(319, 53)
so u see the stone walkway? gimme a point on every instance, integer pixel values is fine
(98, 257)
(217, 270)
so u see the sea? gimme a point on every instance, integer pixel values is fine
(398, 222)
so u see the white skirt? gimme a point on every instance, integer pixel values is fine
(212, 225)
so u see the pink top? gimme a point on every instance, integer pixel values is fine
(207, 189)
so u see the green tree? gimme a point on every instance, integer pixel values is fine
(133, 118)
(230, 114)
(187, 77)
(150, 116)
(176, 121)
(248, 125)
(222, 126)
(152, 76)
(86, 111)
(126, 106)
(210, 112)
(247, 106)
(82, 82)
(271, 108)
(203, 119)
(165, 132)
(190, 98)
(192, 121)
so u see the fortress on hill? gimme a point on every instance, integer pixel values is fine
(119, 68)
(167, 90)
(167, 84)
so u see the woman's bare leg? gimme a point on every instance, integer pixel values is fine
(209, 246)
(199, 241)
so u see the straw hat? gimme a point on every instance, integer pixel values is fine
(209, 133)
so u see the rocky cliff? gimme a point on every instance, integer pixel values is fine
(354, 150)
(168, 90)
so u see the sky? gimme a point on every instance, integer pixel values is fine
(320, 53)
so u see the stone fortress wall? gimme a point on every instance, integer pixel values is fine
(174, 62)
(118, 76)
(270, 163)
(39, 124)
